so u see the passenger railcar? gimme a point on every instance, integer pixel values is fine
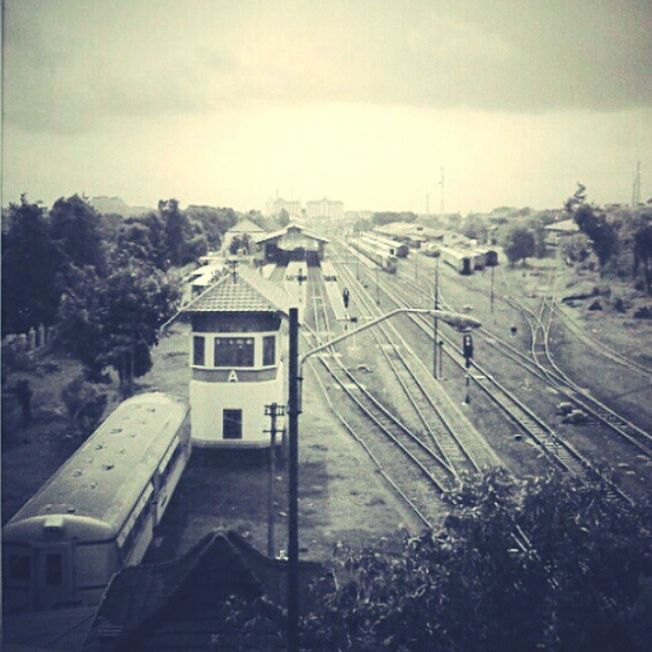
(461, 261)
(394, 247)
(376, 254)
(97, 513)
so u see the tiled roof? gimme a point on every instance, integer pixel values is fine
(179, 604)
(247, 291)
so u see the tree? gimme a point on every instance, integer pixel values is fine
(176, 224)
(76, 227)
(475, 227)
(643, 254)
(518, 244)
(185, 238)
(114, 321)
(548, 563)
(577, 199)
(603, 236)
(31, 268)
(283, 218)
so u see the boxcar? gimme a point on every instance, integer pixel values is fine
(98, 512)
(394, 247)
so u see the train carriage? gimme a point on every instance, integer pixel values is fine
(97, 513)
(377, 254)
(461, 261)
(394, 247)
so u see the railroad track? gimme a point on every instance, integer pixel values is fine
(541, 364)
(392, 435)
(463, 446)
(559, 451)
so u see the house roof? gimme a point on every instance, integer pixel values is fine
(243, 291)
(565, 226)
(292, 226)
(184, 604)
(245, 226)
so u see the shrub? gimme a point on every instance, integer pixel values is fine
(85, 404)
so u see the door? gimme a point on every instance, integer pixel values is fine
(232, 424)
(53, 576)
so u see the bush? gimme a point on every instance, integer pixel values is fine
(85, 404)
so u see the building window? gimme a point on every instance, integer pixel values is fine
(20, 567)
(53, 569)
(198, 350)
(232, 424)
(234, 352)
(269, 349)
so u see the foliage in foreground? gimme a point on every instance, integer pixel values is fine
(542, 564)
(472, 586)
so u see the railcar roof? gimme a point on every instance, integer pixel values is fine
(109, 471)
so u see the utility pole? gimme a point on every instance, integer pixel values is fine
(427, 205)
(441, 192)
(492, 290)
(293, 489)
(377, 286)
(273, 411)
(636, 188)
(435, 322)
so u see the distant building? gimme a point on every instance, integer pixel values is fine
(241, 228)
(333, 210)
(559, 230)
(293, 242)
(292, 207)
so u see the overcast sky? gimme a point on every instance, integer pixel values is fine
(223, 103)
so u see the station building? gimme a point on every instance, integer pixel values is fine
(235, 360)
(294, 242)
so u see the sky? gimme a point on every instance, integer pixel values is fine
(228, 103)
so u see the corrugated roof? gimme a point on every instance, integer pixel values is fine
(246, 226)
(281, 232)
(565, 226)
(248, 291)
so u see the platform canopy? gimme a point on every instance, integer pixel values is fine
(293, 236)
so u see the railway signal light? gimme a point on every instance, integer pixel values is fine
(467, 348)
(345, 297)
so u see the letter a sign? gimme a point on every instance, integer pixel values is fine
(233, 377)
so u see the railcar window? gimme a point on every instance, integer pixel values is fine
(20, 567)
(232, 424)
(53, 569)
(269, 349)
(234, 352)
(198, 350)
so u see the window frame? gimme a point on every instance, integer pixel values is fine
(195, 340)
(246, 342)
(266, 340)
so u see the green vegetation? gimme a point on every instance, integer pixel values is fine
(547, 563)
(101, 280)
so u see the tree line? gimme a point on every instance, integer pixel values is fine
(104, 281)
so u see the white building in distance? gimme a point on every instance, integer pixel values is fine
(328, 208)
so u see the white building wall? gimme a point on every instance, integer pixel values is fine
(238, 388)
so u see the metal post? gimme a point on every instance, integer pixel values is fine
(492, 289)
(377, 287)
(293, 489)
(273, 411)
(435, 323)
(441, 358)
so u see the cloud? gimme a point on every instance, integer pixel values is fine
(70, 65)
